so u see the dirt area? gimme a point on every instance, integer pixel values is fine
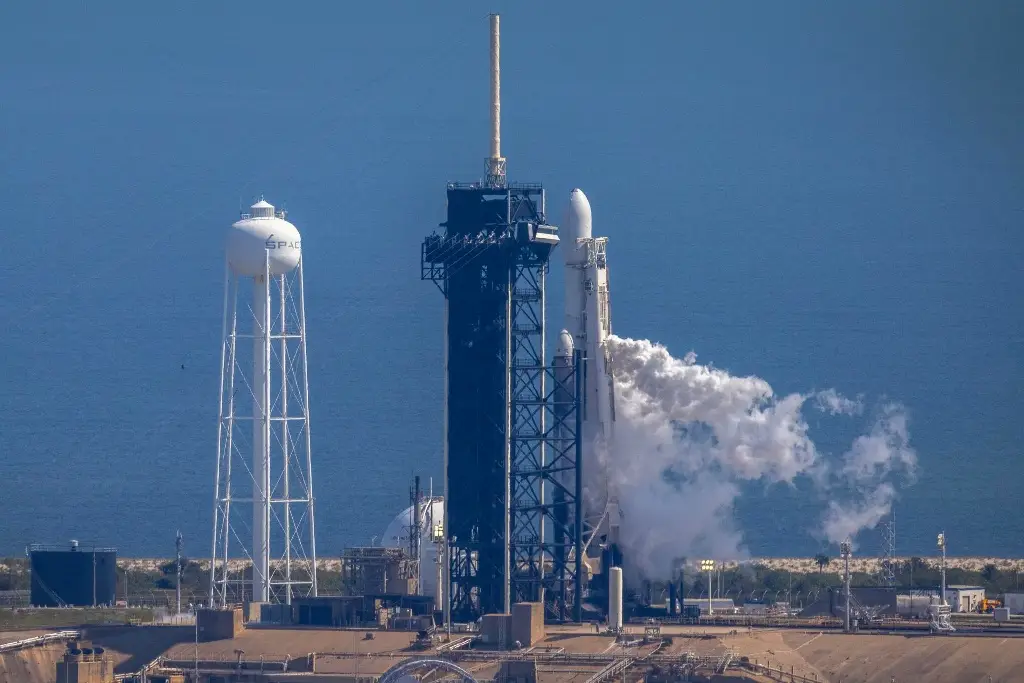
(296, 642)
(133, 647)
(34, 665)
(829, 656)
(865, 658)
(936, 659)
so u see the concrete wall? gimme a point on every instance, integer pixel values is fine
(528, 623)
(496, 630)
(32, 665)
(1015, 601)
(217, 624)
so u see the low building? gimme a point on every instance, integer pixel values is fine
(876, 601)
(755, 608)
(1014, 602)
(964, 598)
(329, 610)
(378, 571)
(718, 605)
(914, 604)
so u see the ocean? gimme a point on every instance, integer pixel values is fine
(822, 196)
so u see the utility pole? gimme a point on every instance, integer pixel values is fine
(709, 567)
(846, 549)
(177, 571)
(942, 547)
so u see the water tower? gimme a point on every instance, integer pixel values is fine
(263, 509)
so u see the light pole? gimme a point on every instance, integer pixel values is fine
(708, 566)
(177, 573)
(942, 547)
(846, 549)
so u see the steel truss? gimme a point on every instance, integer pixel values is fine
(511, 446)
(270, 477)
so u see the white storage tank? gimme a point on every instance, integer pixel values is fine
(615, 598)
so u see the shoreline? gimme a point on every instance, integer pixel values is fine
(797, 565)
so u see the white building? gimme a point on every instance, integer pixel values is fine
(1015, 602)
(431, 521)
(964, 598)
(718, 605)
(916, 604)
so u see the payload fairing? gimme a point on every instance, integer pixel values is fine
(587, 326)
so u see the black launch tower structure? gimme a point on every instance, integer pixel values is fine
(511, 422)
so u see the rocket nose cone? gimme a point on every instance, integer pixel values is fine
(565, 345)
(579, 219)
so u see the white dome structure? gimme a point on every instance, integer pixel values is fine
(261, 231)
(397, 536)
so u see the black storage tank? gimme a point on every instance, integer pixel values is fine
(73, 575)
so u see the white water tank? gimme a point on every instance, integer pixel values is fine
(263, 234)
(397, 536)
(615, 598)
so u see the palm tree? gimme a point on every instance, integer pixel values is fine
(822, 561)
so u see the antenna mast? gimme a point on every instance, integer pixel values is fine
(178, 542)
(496, 162)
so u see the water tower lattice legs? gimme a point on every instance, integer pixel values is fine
(263, 508)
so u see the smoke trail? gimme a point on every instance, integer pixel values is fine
(687, 436)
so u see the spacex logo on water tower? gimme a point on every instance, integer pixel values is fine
(263, 461)
(260, 231)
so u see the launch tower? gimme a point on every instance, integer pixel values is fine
(511, 425)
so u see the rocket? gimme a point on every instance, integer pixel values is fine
(587, 326)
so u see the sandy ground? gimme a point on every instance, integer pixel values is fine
(282, 643)
(36, 665)
(829, 656)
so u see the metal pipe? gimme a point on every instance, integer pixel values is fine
(285, 439)
(507, 538)
(261, 435)
(220, 435)
(577, 612)
(942, 544)
(495, 87)
(229, 445)
(417, 532)
(495, 162)
(305, 421)
(447, 567)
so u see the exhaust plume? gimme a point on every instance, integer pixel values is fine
(689, 436)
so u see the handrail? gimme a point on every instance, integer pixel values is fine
(40, 640)
(612, 670)
(779, 672)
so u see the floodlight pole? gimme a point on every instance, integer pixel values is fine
(708, 566)
(942, 547)
(846, 548)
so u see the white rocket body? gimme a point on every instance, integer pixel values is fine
(588, 323)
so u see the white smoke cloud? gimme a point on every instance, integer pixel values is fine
(687, 436)
(831, 401)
